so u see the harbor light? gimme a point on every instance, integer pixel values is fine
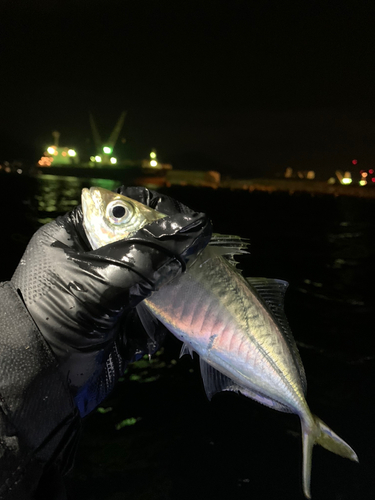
(98, 158)
(113, 160)
(153, 163)
(71, 152)
(51, 150)
(107, 150)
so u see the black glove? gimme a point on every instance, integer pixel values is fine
(79, 298)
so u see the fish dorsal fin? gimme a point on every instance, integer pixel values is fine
(186, 349)
(228, 246)
(214, 381)
(272, 292)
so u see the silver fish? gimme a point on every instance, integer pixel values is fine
(239, 329)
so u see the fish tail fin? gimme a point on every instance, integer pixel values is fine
(317, 432)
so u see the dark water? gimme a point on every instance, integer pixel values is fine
(161, 438)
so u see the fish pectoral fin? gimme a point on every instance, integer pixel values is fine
(186, 349)
(214, 381)
(148, 320)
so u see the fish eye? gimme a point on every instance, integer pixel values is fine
(119, 212)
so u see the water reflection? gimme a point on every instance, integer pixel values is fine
(58, 194)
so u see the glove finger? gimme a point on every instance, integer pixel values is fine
(141, 194)
(72, 224)
(160, 202)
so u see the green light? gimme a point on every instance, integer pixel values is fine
(104, 410)
(92, 158)
(152, 154)
(71, 152)
(113, 160)
(107, 150)
(126, 422)
(98, 158)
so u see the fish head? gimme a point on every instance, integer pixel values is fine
(110, 217)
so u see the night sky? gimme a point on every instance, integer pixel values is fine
(245, 87)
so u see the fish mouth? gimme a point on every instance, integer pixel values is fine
(91, 208)
(85, 198)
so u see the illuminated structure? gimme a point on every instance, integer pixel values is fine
(344, 178)
(153, 164)
(56, 155)
(104, 150)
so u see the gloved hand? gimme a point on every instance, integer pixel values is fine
(79, 298)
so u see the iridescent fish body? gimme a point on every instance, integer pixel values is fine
(238, 328)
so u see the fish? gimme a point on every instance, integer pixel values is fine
(236, 325)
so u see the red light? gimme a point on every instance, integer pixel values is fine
(371, 171)
(354, 162)
(373, 179)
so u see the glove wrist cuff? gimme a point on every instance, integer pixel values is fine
(33, 395)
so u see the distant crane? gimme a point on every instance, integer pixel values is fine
(104, 150)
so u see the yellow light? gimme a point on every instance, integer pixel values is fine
(153, 163)
(51, 150)
(346, 180)
(364, 174)
(152, 154)
(71, 152)
(362, 182)
(98, 158)
(113, 160)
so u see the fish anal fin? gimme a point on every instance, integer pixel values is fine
(264, 400)
(215, 381)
